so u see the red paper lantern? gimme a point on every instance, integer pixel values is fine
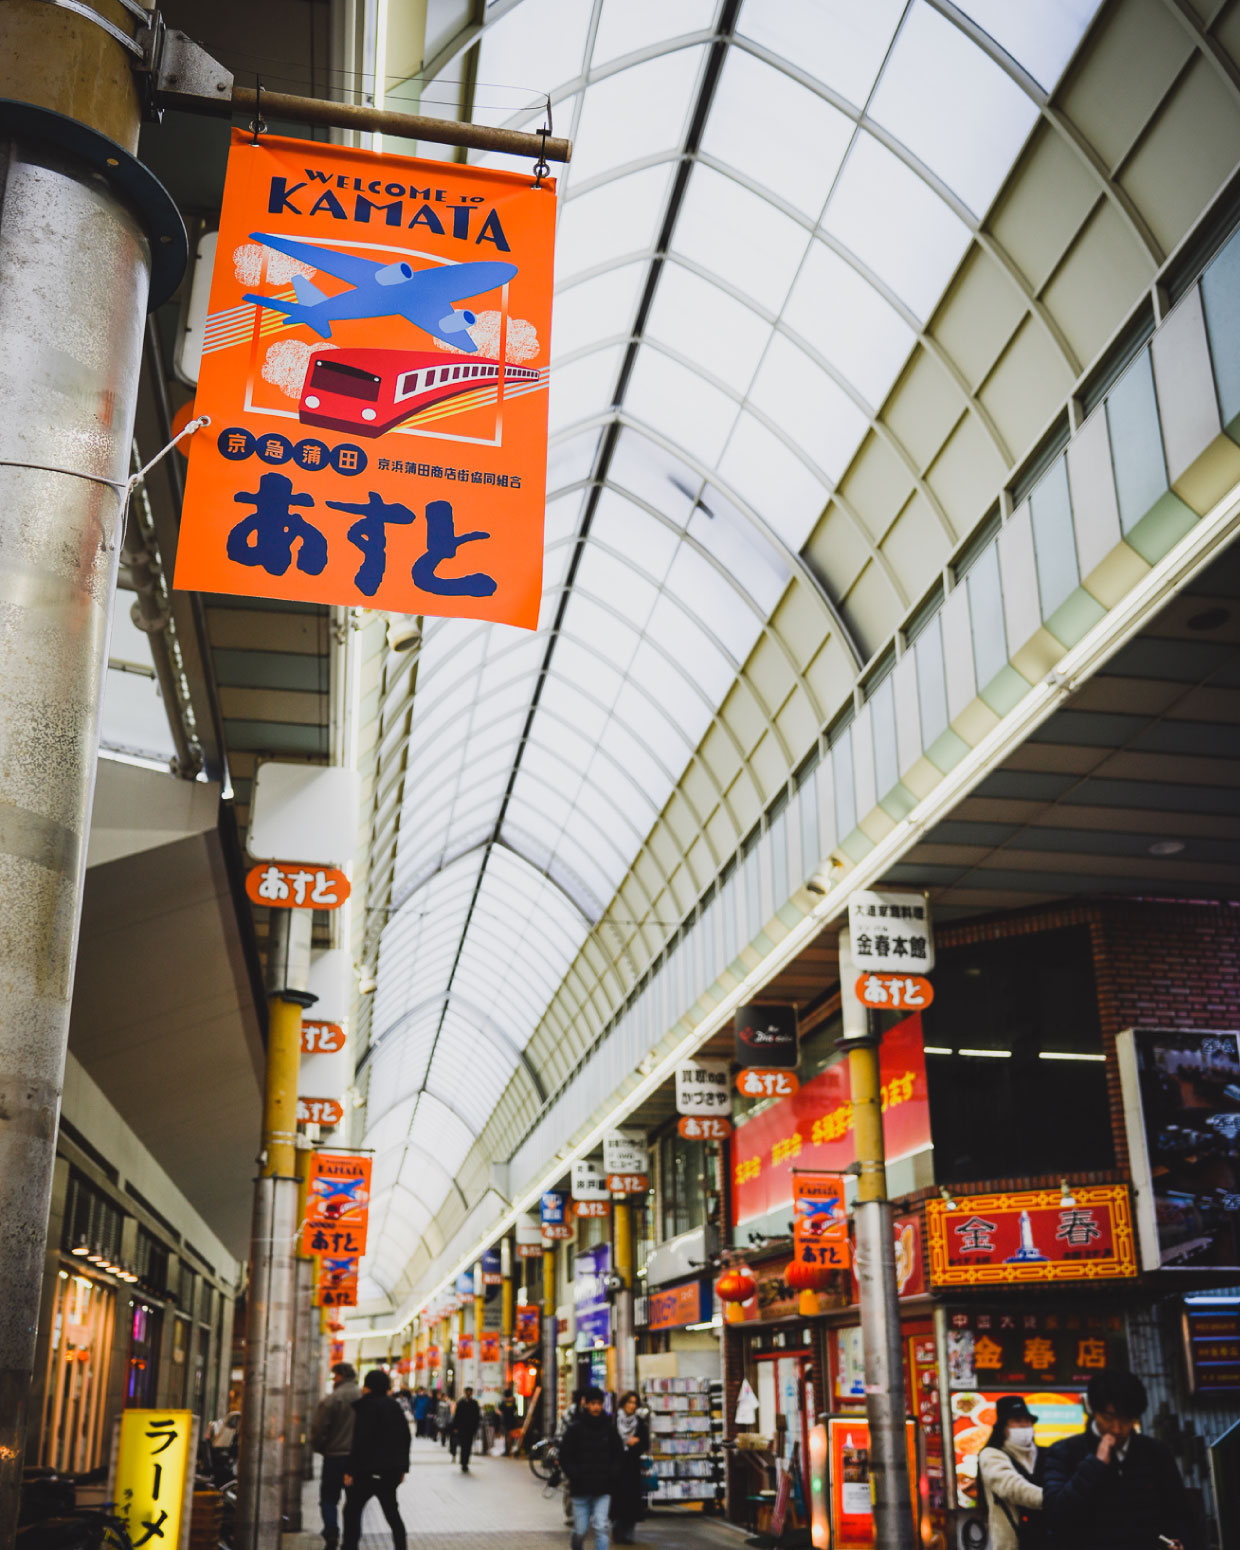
(524, 1379)
(736, 1284)
(808, 1278)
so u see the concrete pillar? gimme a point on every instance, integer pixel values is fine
(75, 268)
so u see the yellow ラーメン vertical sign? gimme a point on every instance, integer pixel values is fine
(152, 1475)
(375, 366)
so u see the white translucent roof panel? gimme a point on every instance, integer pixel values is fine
(627, 26)
(952, 107)
(604, 223)
(767, 474)
(734, 233)
(878, 205)
(1041, 39)
(794, 151)
(610, 132)
(680, 404)
(839, 42)
(534, 47)
(807, 405)
(707, 326)
(595, 310)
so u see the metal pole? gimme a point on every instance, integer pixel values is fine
(74, 279)
(876, 1277)
(626, 1349)
(297, 1426)
(269, 1327)
(549, 1340)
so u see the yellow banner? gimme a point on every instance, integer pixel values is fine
(152, 1475)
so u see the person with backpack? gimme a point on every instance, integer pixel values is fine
(1010, 1470)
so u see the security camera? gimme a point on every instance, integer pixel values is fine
(404, 634)
(824, 877)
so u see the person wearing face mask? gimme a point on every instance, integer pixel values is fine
(1112, 1487)
(1009, 1472)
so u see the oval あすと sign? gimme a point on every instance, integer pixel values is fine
(288, 885)
(758, 1082)
(894, 992)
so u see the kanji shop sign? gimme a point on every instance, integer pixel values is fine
(151, 1489)
(983, 1240)
(1212, 1339)
(994, 1350)
(290, 886)
(375, 370)
(321, 1038)
(708, 1128)
(759, 1083)
(624, 1151)
(589, 1182)
(895, 992)
(890, 931)
(337, 1205)
(766, 1036)
(813, 1129)
(819, 1221)
(319, 1111)
(702, 1086)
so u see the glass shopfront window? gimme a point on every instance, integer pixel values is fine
(687, 1179)
(146, 1323)
(80, 1349)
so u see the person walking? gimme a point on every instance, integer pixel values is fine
(1010, 1468)
(378, 1460)
(466, 1421)
(628, 1498)
(590, 1456)
(508, 1419)
(443, 1418)
(1112, 1487)
(331, 1434)
(421, 1409)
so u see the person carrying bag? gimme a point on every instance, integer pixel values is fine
(1010, 1472)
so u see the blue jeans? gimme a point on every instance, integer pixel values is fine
(592, 1511)
(330, 1486)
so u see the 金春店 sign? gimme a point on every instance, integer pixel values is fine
(890, 932)
(997, 1350)
(375, 368)
(813, 1129)
(1035, 1235)
(152, 1484)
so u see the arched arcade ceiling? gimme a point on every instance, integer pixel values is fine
(826, 272)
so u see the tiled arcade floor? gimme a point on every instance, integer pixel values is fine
(498, 1506)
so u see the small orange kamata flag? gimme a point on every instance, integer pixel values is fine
(375, 370)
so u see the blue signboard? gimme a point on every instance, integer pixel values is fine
(591, 1267)
(554, 1207)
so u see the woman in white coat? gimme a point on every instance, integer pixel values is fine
(1009, 1472)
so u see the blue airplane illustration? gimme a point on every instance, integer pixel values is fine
(423, 296)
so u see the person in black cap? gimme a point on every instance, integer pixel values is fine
(1112, 1487)
(378, 1459)
(1009, 1478)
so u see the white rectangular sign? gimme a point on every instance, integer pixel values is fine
(702, 1086)
(624, 1151)
(589, 1182)
(891, 931)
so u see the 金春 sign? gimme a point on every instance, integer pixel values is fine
(1035, 1235)
(702, 1087)
(153, 1460)
(890, 932)
(999, 1349)
(375, 371)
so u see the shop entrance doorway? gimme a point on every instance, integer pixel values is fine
(786, 1401)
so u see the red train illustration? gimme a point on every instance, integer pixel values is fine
(367, 392)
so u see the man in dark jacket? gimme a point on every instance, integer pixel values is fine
(378, 1460)
(331, 1434)
(466, 1419)
(1112, 1487)
(590, 1455)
